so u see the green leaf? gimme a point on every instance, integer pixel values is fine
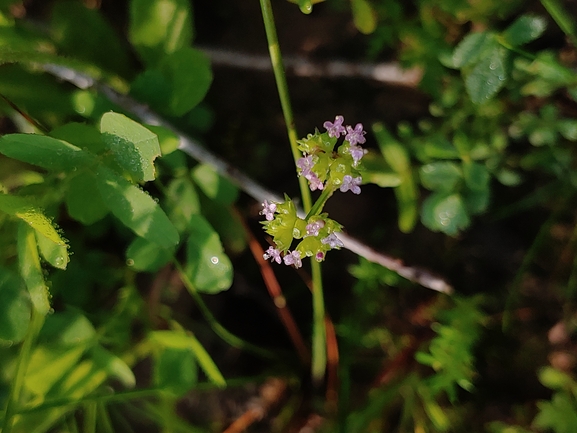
(31, 271)
(21, 208)
(560, 414)
(188, 70)
(83, 136)
(213, 185)
(440, 176)
(72, 21)
(67, 328)
(168, 140)
(53, 253)
(488, 76)
(143, 255)
(113, 366)
(555, 379)
(476, 175)
(83, 199)
(14, 308)
(135, 208)
(525, 29)
(471, 48)
(445, 213)
(43, 151)
(393, 152)
(175, 370)
(186, 341)
(181, 202)
(364, 16)
(134, 147)
(207, 266)
(407, 196)
(159, 27)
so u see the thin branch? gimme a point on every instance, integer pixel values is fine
(387, 72)
(245, 183)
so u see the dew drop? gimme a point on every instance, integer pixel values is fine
(307, 8)
(130, 262)
(214, 260)
(59, 261)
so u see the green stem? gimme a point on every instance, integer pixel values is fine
(36, 323)
(319, 355)
(282, 88)
(218, 329)
(562, 18)
(319, 204)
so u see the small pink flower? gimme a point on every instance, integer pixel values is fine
(332, 241)
(335, 129)
(272, 253)
(293, 258)
(352, 184)
(355, 136)
(313, 228)
(357, 152)
(268, 210)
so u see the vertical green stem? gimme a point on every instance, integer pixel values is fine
(282, 88)
(36, 323)
(319, 355)
(562, 18)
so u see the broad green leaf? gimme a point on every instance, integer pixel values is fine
(83, 136)
(471, 48)
(488, 76)
(181, 340)
(39, 95)
(525, 29)
(43, 151)
(67, 328)
(190, 76)
(181, 202)
(21, 208)
(175, 370)
(30, 269)
(113, 365)
(394, 153)
(135, 208)
(364, 16)
(167, 139)
(50, 364)
(438, 147)
(208, 268)
(53, 253)
(14, 308)
(476, 200)
(440, 176)
(83, 199)
(153, 88)
(445, 213)
(134, 147)
(159, 27)
(476, 175)
(72, 21)
(213, 185)
(568, 129)
(143, 255)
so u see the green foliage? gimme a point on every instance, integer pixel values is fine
(103, 220)
(450, 353)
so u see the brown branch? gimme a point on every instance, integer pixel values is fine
(269, 395)
(275, 291)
